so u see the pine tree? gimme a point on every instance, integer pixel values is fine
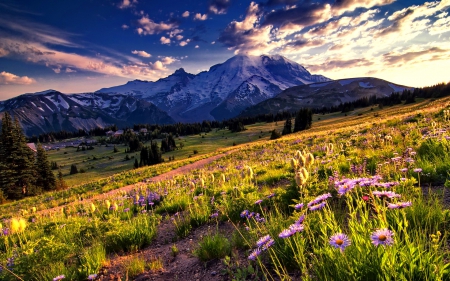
(303, 120)
(73, 169)
(60, 184)
(45, 178)
(17, 176)
(287, 127)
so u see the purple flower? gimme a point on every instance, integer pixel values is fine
(300, 220)
(263, 240)
(286, 233)
(126, 210)
(399, 205)
(417, 170)
(319, 199)
(214, 215)
(268, 244)
(244, 213)
(254, 254)
(258, 201)
(386, 194)
(271, 195)
(344, 188)
(340, 241)
(92, 276)
(404, 170)
(294, 228)
(298, 206)
(318, 206)
(382, 237)
(60, 277)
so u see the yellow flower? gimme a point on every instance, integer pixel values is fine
(212, 177)
(93, 207)
(33, 209)
(22, 225)
(17, 225)
(108, 204)
(223, 178)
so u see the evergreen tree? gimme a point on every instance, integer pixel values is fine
(17, 176)
(303, 120)
(45, 178)
(156, 154)
(60, 184)
(287, 127)
(275, 135)
(136, 164)
(73, 169)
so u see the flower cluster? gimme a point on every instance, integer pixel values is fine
(319, 202)
(399, 205)
(386, 194)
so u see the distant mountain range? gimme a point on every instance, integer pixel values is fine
(241, 85)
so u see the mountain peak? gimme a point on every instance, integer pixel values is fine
(180, 71)
(45, 92)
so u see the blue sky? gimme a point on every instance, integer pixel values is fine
(84, 45)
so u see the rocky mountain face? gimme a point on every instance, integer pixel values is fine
(324, 94)
(53, 111)
(223, 91)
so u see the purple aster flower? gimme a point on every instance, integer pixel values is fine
(268, 244)
(318, 206)
(258, 201)
(340, 241)
(386, 194)
(417, 170)
(92, 276)
(244, 213)
(60, 277)
(344, 188)
(399, 205)
(254, 254)
(300, 220)
(286, 233)
(214, 215)
(382, 237)
(126, 210)
(319, 199)
(271, 195)
(263, 240)
(294, 228)
(404, 170)
(298, 206)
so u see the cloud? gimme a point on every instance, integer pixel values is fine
(164, 40)
(167, 60)
(185, 42)
(124, 26)
(339, 64)
(149, 27)
(199, 16)
(69, 70)
(179, 37)
(7, 78)
(396, 58)
(219, 7)
(185, 14)
(3, 52)
(143, 54)
(175, 32)
(127, 4)
(279, 2)
(197, 46)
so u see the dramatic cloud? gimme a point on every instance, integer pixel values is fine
(185, 14)
(185, 42)
(148, 26)
(167, 60)
(7, 78)
(3, 52)
(164, 40)
(143, 54)
(199, 16)
(69, 70)
(219, 7)
(339, 64)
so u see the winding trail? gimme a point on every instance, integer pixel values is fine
(165, 176)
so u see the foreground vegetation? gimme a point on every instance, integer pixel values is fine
(360, 202)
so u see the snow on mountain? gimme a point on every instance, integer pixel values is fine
(188, 97)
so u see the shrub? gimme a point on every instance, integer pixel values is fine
(213, 247)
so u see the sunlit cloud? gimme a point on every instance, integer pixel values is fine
(148, 26)
(199, 16)
(185, 14)
(143, 54)
(7, 78)
(219, 7)
(164, 40)
(127, 4)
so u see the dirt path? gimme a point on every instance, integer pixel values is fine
(165, 176)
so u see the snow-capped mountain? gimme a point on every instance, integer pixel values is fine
(223, 91)
(325, 94)
(53, 111)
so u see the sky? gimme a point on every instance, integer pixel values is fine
(77, 46)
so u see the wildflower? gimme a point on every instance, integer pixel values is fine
(298, 206)
(271, 195)
(92, 276)
(245, 213)
(365, 198)
(263, 240)
(300, 220)
(399, 205)
(343, 189)
(382, 237)
(214, 215)
(340, 241)
(268, 244)
(108, 204)
(286, 233)
(254, 254)
(386, 194)
(126, 210)
(318, 206)
(60, 277)
(294, 228)
(404, 170)
(417, 170)
(33, 209)
(258, 201)
(294, 164)
(319, 199)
